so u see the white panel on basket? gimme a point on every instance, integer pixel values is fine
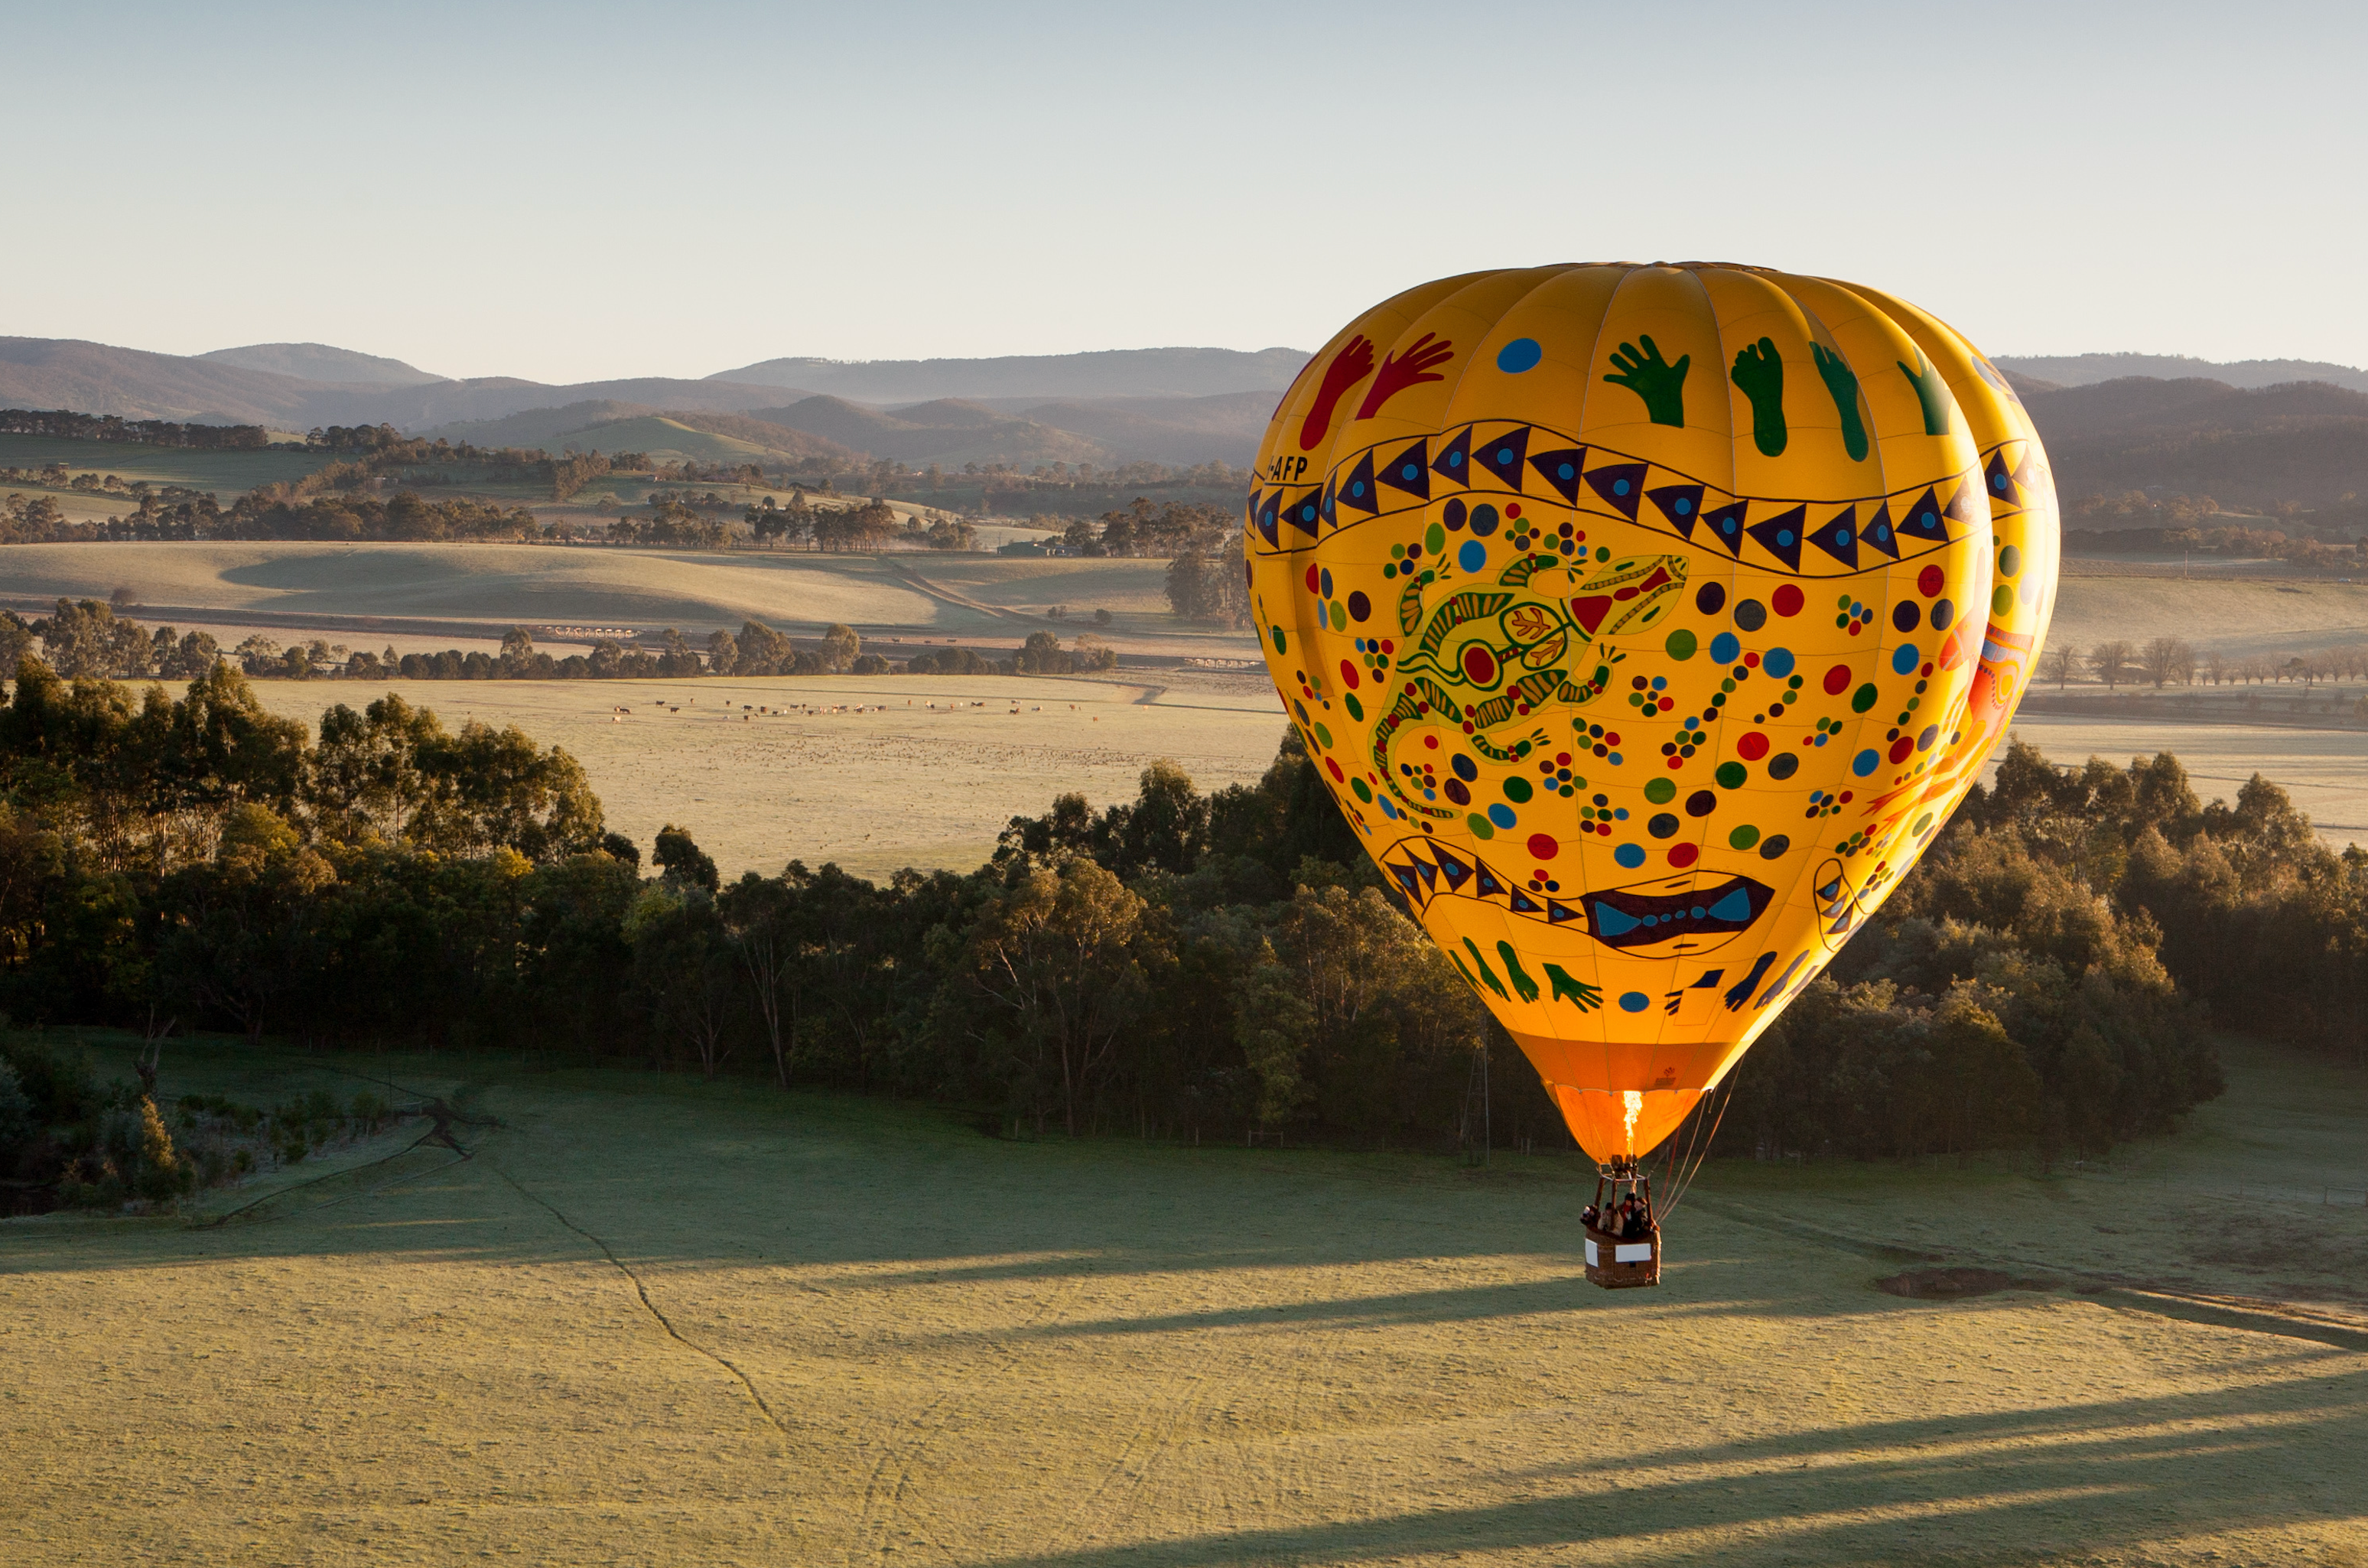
(1592, 1260)
(1632, 1252)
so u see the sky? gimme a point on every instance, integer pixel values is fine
(572, 192)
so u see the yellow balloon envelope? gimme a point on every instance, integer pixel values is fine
(1648, 622)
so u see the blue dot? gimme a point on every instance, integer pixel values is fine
(1841, 538)
(1567, 472)
(1501, 814)
(1880, 533)
(1357, 488)
(1776, 661)
(1905, 659)
(1685, 505)
(1924, 742)
(1727, 525)
(1633, 1001)
(1455, 459)
(1630, 855)
(1660, 682)
(1519, 355)
(1325, 581)
(1783, 535)
(1615, 759)
(1725, 648)
(1307, 512)
(1473, 556)
(1407, 471)
(1866, 762)
(1620, 488)
(1504, 454)
(1619, 813)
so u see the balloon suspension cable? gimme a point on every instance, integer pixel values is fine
(1686, 1179)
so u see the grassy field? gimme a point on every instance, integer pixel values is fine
(2325, 771)
(501, 584)
(2236, 616)
(224, 473)
(905, 784)
(651, 1321)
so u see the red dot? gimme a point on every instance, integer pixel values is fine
(1543, 847)
(1348, 674)
(1562, 760)
(1836, 680)
(1928, 667)
(1514, 510)
(1752, 747)
(1431, 741)
(1902, 749)
(1752, 659)
(1854, 625)
(1336, 773)
(1786, 600)
(1677, 762)
(1312, 580)
(1930, 582)
(1610, 739)
(1684, 855)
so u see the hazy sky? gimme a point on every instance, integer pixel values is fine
(574, 191)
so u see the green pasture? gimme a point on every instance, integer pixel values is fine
(648, 1320)
(227, 474)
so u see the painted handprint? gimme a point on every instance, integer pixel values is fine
(1351, 364)
(1930, 390)
(1661, 384)
(1841, 381)
(1401, 372)
(1760, 373)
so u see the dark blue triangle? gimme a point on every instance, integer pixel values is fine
(1302, 510)
(1454, 460)
(1406, 879)
(1622, 485)
(1487, 885)
(1456, 873)
(1558, 912)
(1837, 537)
(1356, 491)
(1262, 507)
(1682, 504)
(1879, 533)
(1430, 872)
(1522, 903)
(1779, 536)
(2001, 480)
(1561, 470)
(1501, 455)
(1410, 471)
(1923, 520)
(1726, 525)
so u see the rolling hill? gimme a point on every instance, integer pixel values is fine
(608, 425)
(1119, 372)
(2085, 369)
(319, 362)
(947, 431)
(2304, 442)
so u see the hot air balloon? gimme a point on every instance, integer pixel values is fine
(1648, 622)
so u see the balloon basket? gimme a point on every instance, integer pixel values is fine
(1616, 1259)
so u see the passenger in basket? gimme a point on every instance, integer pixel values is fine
(1592, 1217)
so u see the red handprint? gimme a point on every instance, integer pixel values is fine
(1397, 374)
(1353, 365)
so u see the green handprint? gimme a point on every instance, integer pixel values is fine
(1522, 983)
(1842, 383)
(1495, 985)
(1567, 985)
(1930, 390)
(1759, 371)
(1661, 384)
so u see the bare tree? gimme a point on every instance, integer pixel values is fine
(2059, 664)
(2163, 658)
(2110, 662)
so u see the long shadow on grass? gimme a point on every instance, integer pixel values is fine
(2018, 1485)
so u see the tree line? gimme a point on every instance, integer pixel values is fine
(1182, 965)
(65, 424)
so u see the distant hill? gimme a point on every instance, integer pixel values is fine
(319, 362)
(1183, 430)
(2304, 442)
(2086, 370)
(607, 425)
(96, 377)
(947, 432)
(1119, 372)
